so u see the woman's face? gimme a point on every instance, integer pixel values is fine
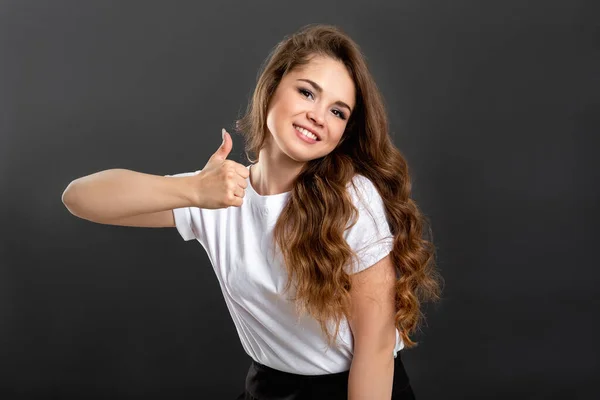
(318, 97)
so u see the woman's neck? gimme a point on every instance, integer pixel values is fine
(271, 176)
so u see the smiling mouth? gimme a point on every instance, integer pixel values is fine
(306, 133)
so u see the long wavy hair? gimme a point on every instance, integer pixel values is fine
(310, 229)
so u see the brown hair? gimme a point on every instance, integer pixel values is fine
(310, 229)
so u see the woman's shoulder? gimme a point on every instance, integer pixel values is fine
(362, 189)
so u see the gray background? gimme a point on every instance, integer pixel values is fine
(494, 104)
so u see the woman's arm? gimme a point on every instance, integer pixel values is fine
(119, 195)
(374, 333)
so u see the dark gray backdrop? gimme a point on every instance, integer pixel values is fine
(494, 104)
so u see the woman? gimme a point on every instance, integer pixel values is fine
(316, 244)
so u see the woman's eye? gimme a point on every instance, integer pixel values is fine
(305, 92)
(308, 93)
(340, 114)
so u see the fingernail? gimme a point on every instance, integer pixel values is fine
(223, 134)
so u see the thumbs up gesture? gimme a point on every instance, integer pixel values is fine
(222, 182)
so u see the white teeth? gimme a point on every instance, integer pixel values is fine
(305, 132)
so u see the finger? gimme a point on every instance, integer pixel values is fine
(242, 171)
(238, 201)
(225, 147)
(239, 192)
(243, 183)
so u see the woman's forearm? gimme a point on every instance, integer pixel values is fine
(117, 193)
(371, 376)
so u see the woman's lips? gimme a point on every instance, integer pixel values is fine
(304, 137)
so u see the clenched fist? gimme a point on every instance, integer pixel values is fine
(222, 182)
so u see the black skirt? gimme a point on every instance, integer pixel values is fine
(265, 383)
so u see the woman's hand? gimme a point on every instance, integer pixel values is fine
(221, 183)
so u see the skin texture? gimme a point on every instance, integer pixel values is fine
(298, 102)
(372, 370)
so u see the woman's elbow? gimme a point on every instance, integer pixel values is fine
(68, 197)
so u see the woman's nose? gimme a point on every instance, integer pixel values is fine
(316, 117)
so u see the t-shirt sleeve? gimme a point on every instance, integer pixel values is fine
(370, 237)
(188, 220)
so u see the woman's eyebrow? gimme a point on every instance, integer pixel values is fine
(319, 89)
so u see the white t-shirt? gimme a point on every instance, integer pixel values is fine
(238, 242)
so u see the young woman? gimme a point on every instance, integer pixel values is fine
(317, 245)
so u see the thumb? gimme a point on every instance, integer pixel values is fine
(225, 148)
